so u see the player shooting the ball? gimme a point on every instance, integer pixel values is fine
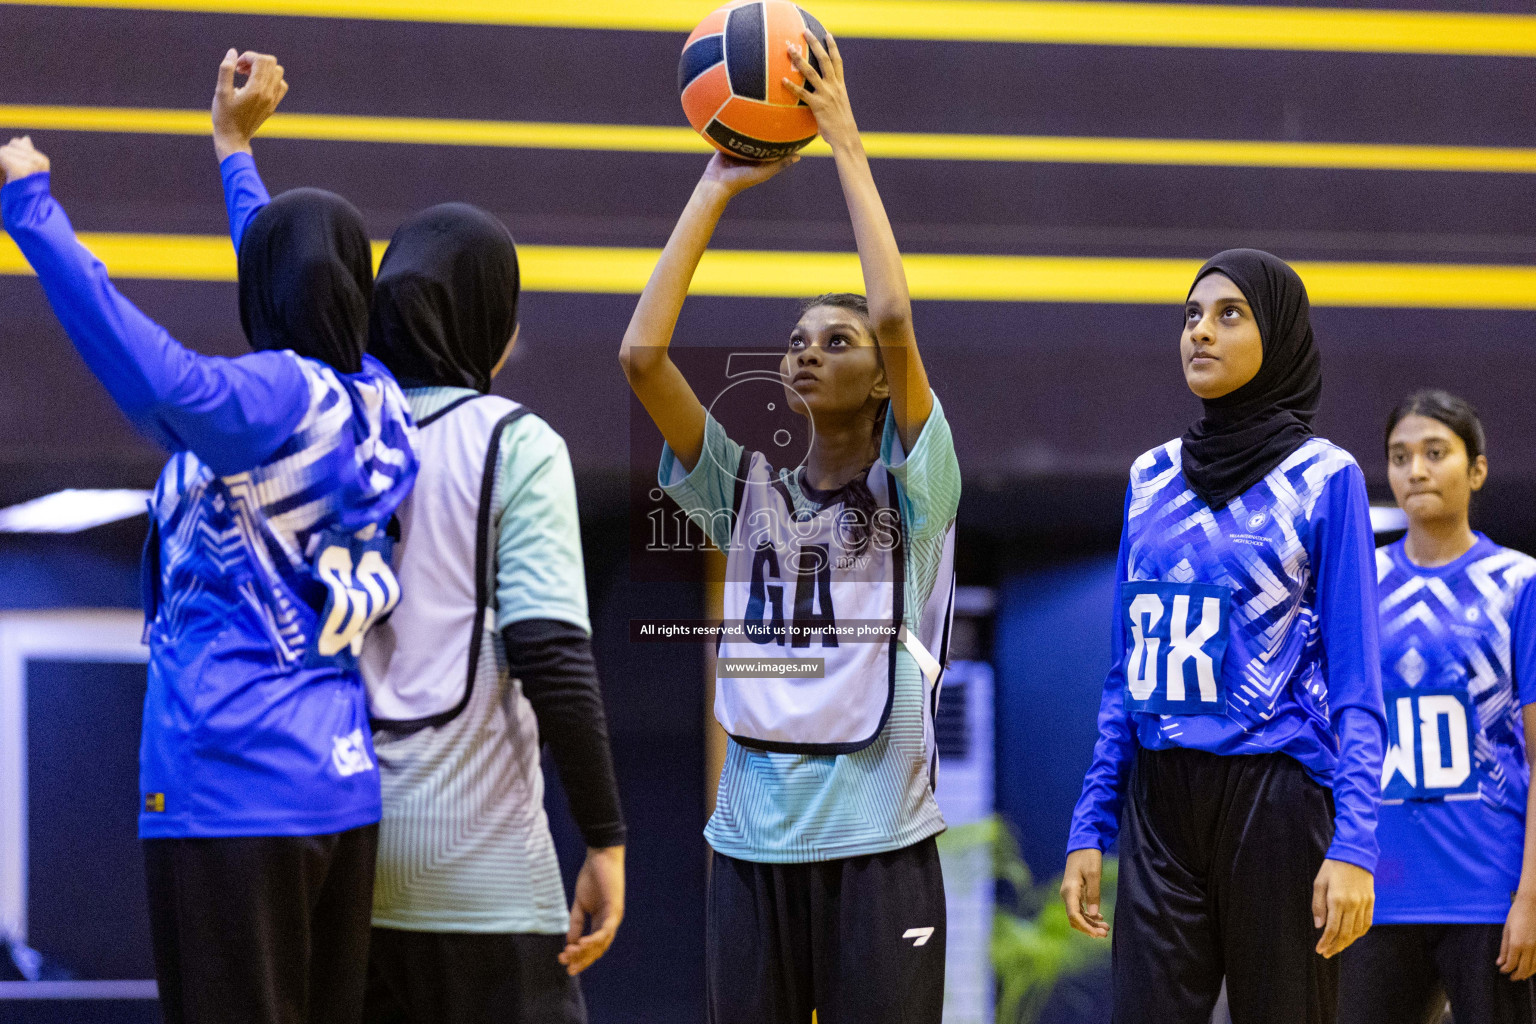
(825, 875)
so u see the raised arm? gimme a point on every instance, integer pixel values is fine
(655, 378)
(237, 115)
(233, 413)
(885, 280)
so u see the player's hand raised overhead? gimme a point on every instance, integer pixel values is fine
(736, 176)
(239, 112)
(824, 91)
(19, 158)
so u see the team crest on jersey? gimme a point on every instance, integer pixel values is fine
(1257, 520)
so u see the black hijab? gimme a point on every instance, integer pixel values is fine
(445, 304)
(306, 275)
(1245, 434)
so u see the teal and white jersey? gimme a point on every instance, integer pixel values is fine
(464, 844)
(782, 806)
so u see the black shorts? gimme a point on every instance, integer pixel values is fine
(469, 978)
(261, 929)
(858, 940)
(1217, 859)
(1404, 973)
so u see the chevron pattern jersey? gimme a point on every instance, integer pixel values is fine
(1452, 826)
(1257, 547)
(1291, 561)
(798, 808)
(247, 731)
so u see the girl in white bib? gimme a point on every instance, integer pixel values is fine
(825, 889)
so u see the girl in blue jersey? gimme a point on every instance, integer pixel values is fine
(825, 891)
(1241, 724)
(1456, 883)
(266, 563)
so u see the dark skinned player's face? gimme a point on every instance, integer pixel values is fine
(832, 370)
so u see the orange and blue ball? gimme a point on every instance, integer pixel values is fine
(731, 79)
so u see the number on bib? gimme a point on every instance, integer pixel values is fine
(360, 589)
(1429, 745)
(1177, 637)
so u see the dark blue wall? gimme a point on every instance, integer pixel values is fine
(1051, 652)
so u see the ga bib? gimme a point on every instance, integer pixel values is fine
(794, 586)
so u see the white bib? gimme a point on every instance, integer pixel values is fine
(420, 662)
(796, 591)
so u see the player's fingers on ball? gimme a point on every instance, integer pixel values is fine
(817, 48)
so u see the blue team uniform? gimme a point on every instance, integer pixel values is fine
(1454, 779)
(267, 528)
(1247, 629)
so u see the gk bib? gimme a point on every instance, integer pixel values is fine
(1176, 640)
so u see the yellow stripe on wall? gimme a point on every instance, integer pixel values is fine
(1218, 26)
(882, 145)
(772, 274)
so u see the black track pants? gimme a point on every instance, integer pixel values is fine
(859, 940)
(1403, 974)
(469, 978)
(262, 929)
(1217, 859)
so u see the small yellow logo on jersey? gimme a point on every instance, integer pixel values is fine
(154, 802)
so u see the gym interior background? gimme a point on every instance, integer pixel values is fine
(1054, 184)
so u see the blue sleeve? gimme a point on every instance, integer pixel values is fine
(1522, 643)
(1342, 551)
(232, 413)
(244, 193)
(1096, 818)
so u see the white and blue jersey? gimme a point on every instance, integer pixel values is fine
(1454, 779)
(1245, 629)
(268, 557)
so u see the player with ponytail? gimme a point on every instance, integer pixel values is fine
(825, 891)
(1456, 887)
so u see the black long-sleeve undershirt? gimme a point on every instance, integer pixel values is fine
(554, 662)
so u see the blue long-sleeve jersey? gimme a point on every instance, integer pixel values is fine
(266, 559)
(1246, 629)
(1454, 781)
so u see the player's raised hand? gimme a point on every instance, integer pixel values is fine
(599, 899)
(737, 176)
(825, 91)
(19, 159)
(238, 113)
